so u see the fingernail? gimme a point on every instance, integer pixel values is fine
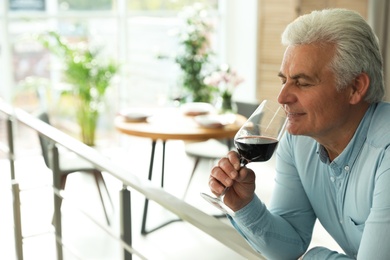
(237, 166)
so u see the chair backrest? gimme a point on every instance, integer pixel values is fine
(246, 109)
(44, 142)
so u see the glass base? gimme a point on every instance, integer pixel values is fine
(218, 203)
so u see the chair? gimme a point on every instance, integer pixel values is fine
(213, 149)
(69, 163)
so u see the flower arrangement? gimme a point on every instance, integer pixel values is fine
(224, 80)
(195, 51)
(195, 58)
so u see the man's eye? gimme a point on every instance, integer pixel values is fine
(302, 84)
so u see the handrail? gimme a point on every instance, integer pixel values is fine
(222, 232)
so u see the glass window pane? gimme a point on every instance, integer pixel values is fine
(159, 79)
(86, 5)
(33, 63)
(149, 76)
(144, 80)
(171, 5)
(27, 5)
(29, 61)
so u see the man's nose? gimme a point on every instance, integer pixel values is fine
(286, 94)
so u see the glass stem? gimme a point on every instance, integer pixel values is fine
(243, 161)
(223, 192)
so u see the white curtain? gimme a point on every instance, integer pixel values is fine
(378, 17)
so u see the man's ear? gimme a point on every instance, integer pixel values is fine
(360, 87)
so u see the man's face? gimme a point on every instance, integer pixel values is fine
(313, 105)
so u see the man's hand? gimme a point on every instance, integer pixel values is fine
(239, 180)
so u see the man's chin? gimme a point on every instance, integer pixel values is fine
(294, 131)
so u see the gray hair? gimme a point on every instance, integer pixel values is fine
(357, 47)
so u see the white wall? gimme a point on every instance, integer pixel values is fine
(240, 35)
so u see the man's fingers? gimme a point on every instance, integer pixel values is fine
(215, 186)
(220, 175)
(227, 168)
(234, 159)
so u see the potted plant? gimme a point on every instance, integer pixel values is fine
(88, 76)
(194, 52)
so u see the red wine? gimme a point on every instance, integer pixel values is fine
(256, 148)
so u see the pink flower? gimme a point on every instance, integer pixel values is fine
(224, 79)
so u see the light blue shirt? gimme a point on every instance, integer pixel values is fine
(350, 196)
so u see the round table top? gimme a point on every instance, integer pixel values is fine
(173, 124)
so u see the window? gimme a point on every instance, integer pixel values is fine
(133, 35)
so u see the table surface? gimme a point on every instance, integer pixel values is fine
(173, 124)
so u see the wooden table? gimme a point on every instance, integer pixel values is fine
(172, 124)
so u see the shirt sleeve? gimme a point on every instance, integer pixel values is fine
(284, 231)
(376, 233)
(321, 253)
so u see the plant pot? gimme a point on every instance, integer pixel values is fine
(87, 118)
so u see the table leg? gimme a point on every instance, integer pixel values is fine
(143, 227)
(163, 164)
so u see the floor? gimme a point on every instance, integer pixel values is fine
(178, 240)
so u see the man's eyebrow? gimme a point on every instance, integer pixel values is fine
(301, 76)
(296, 76)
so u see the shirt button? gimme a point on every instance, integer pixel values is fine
(346, 168)
(332, 179)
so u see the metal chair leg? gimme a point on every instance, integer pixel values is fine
(99, 180)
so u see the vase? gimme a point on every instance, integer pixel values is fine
(225, 104)
(87, 118)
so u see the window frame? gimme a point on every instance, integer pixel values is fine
(237, 47)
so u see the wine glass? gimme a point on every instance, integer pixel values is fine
(256, 141)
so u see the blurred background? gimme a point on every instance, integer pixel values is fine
(135, 34)
(150, 46)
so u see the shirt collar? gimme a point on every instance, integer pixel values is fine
(348, 156)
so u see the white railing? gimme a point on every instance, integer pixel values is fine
(222, 232)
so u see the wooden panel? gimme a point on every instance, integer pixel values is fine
(270, 82)
(358, 5)
(274, 16)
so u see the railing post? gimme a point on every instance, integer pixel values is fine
(57, 200)
(15, 192)
(125, 207)
(17, 221)
(11, 151)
